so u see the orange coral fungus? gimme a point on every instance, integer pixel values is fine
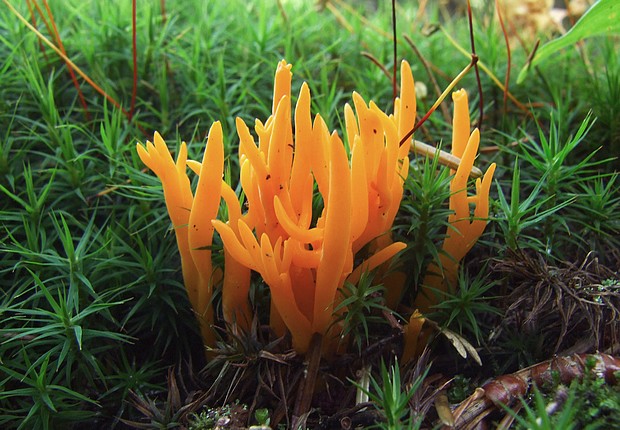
(304, 256)
(464, 229)
(305, 264)
(188, 217)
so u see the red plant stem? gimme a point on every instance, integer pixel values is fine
(134, 48)
(64, 57)
(43, 18)
(58, 40)
(164, 19)
(376, 62)
(508, 54)
(473, 54)
(395, 50)
(162, 4)
(34, 23)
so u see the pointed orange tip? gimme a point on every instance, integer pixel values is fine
(459, 94)
(283, 64)
(143, 153)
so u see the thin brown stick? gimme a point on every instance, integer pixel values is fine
(508, 56)
(134, 59)
(43, 17)
(162, 6)
(34, 24)
(530, 57)
(395, 45)
(58, 40)
(496, 148)
(282, 11)
(476, 70)
(372, 58)
(307, 384)
(64, 57)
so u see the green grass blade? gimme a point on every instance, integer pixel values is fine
(602, 18)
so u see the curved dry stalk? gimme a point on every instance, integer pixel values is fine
(508, 389)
